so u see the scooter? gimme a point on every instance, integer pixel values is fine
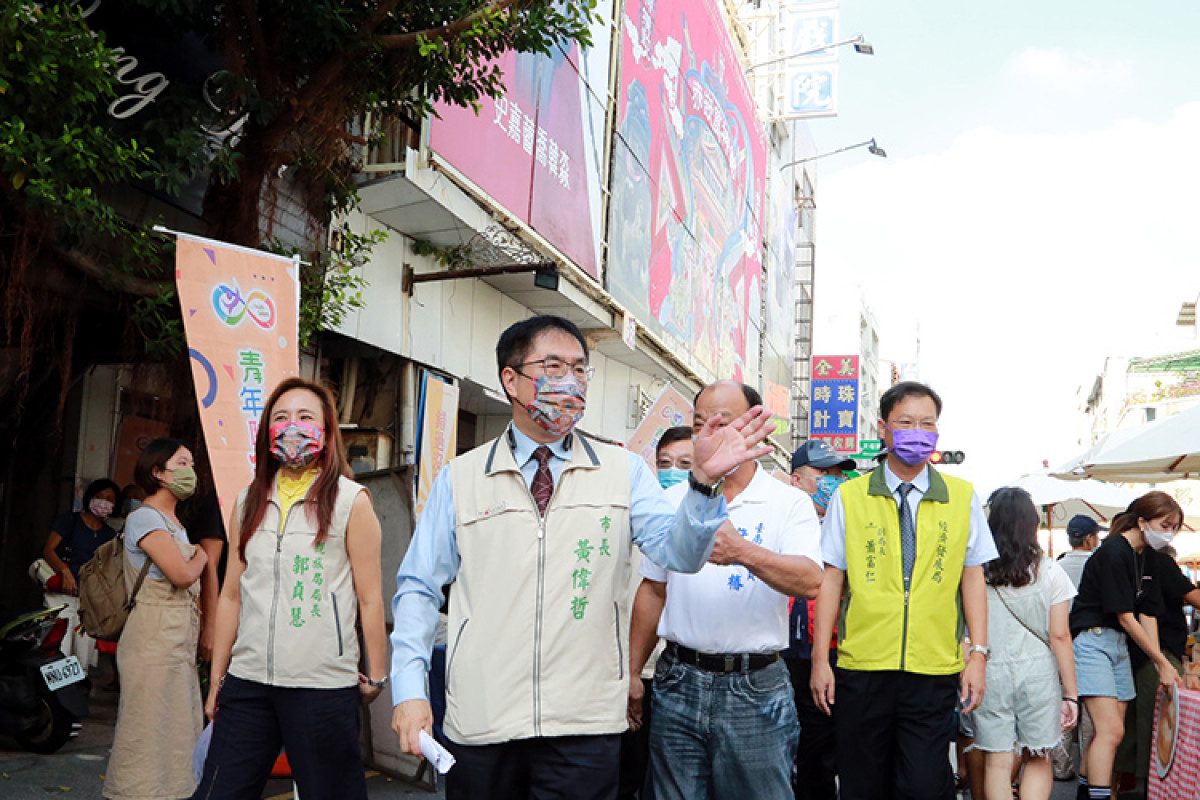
(43, 693)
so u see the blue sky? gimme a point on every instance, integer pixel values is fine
(1037, 211)
(945, 66)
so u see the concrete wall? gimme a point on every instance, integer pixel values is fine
(452, 326)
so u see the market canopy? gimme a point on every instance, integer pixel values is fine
(1059, 500)
(1164, 450)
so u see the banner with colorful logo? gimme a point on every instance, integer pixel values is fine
(669, 410)
(241, 315)
(438, 424)
(835, 385)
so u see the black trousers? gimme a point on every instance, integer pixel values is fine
(893, 732)
(816, 769)
(544, 768)
(317, 727)
(635, 755)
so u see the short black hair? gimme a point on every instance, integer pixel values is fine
(753, 398)
(154, 456)
(906, 389)
(96, 487)
(681, 433)
(514, 344)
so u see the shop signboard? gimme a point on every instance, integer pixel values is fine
(537, 150)
(688, 177)
(835, 387)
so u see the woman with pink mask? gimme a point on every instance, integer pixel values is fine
(304, 569)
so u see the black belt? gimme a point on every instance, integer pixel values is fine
(721, 662)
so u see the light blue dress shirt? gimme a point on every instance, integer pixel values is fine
(678, 539)
(981, 548)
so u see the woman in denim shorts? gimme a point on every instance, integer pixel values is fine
(1104, 614)
(1029, 599)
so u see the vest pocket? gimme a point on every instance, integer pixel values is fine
(337, 622)
(620, 649)
(454, 651)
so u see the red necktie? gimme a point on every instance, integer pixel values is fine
(543, 482)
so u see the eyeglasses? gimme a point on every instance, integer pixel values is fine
(907, 423)
(557, 368)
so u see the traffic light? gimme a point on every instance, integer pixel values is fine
(947, 457)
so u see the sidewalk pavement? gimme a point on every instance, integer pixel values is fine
(77, 770)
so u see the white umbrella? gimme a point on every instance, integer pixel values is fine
(1076, 468)
(1164, 450)
(1060, 499)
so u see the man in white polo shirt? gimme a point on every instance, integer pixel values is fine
(724, 717)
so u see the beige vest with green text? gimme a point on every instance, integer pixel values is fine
(299, 609)
(539, 610)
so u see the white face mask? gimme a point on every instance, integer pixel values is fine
(1156, 538)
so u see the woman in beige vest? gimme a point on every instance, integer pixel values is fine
(304, 568)
(159, 718)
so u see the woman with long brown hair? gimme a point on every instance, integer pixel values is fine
(304, 569)
(1112, 604)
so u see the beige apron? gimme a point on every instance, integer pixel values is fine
(161, 715)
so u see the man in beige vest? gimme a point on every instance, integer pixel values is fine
(533, 532)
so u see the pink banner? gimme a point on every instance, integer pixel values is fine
(537, 150)
(689, 171)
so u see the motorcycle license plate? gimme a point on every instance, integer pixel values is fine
(63, 672)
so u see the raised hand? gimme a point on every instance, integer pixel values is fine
(720, 449)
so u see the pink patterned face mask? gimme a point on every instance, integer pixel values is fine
(296, 444)
(558, 405)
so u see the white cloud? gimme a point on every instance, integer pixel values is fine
(1070, 71)
(1025, 259)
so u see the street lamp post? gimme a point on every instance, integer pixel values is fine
(861, 45)
(872, 148)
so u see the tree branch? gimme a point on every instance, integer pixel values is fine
(259, 52)
(128, 284)
(448, 31)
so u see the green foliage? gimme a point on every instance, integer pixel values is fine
(304, 74)
(331, 280)
(54, 157)
(299, 77)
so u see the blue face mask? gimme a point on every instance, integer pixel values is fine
(669, 477)
(826, 485)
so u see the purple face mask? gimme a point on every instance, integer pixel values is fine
(913, 446)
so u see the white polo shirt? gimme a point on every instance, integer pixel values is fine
(727, 609)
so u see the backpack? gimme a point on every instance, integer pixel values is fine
(104, 599)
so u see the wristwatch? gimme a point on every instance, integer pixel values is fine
(379, 684)
(978, 648)
(707, 491)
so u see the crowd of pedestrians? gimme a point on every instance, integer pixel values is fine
(706, 629)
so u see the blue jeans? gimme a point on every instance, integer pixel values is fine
(722, 735)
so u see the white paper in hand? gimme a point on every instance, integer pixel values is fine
(435, 754)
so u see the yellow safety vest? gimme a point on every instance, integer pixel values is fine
(882, 626)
